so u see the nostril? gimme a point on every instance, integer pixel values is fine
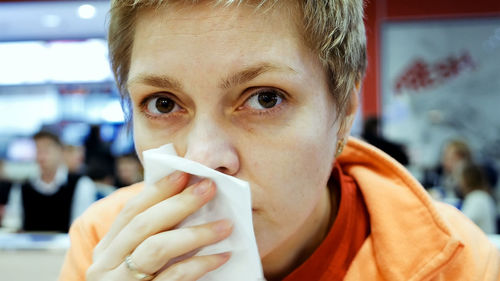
(223, 170)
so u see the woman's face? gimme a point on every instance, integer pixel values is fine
(448, 159)
(236, 90)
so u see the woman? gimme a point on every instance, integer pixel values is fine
(265, 92)
(478, 204)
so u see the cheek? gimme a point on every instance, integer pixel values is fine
(139, 137)
(144, 137)
(147, 136)
(292, 166)
(287, 182)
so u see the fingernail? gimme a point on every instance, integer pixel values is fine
(223, 227)
(225, 255)
(203, 187)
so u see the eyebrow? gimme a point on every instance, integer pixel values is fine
(240, 77)
(159, 81)
(250, 73)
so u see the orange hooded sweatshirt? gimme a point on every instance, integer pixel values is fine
(411, 238)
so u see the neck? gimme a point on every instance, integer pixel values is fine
(311, 234)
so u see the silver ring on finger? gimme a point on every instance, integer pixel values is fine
(135, 272)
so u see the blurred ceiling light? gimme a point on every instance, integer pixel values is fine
(86, 11)
(51, 21)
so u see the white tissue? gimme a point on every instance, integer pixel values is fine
(232, 201)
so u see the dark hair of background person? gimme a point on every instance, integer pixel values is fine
(48, 135)
(4, 186)
(473, 178)
(373, 135)
(100, 169)
(95, 148)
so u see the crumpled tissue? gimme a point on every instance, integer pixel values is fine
(232, 201)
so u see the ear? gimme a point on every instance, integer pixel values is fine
(350, 113)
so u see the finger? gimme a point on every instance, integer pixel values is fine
(193, 268)
(160, 217)
(149, 196)
(158, 250)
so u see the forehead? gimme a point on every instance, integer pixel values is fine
(236, 31)
(233, 15)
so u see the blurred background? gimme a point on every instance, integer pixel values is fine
(431, 99)
(55, 75)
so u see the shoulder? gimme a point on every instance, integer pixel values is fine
(433, 237)
(90, 228)
(478, 254)
(478, 197)
(478, 194)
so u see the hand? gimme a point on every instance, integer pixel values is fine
(144, 230)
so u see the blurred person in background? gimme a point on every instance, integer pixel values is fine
(478, 204)
(95, 147)
(455, 154)
(128, 170)
(440, 180)
(52, 199)
(101, 171)
(74, 158)
(372, 133)
(5, 186)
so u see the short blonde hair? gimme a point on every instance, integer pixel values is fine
(333, 29)
(460, 148)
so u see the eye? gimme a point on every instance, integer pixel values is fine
(265, 99)
(161, 105)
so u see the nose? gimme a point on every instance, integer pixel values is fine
(208, 144)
